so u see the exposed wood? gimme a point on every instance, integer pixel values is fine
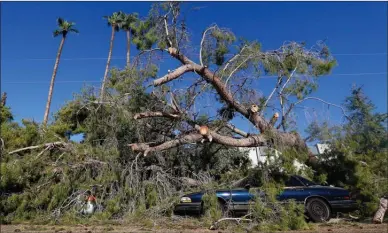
(173, 75)
(155, 114)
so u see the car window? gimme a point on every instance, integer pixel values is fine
(293, 182)
(306, 181)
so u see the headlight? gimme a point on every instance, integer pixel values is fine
(185, 199)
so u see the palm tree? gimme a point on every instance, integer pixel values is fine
(64, 27)
(114, 21)
(127, 25)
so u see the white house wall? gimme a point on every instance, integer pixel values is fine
(259, 154)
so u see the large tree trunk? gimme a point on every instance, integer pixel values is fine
(51, 89)
(102, 91)
(128, 47)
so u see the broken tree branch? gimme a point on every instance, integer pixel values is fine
(252, 140)
(236, 130)
(166, 28)
(173, 75)
(155, 114)
(51, 144)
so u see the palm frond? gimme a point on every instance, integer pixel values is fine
(60, 21)
(57, 32)
(74, 30)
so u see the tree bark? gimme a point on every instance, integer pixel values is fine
(128, 47)
(51, 89)
(102, 91)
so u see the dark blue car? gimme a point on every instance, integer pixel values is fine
(321, 202)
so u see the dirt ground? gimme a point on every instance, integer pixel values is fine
(327, 228)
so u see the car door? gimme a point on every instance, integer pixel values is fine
(241, 198)
(294, 190)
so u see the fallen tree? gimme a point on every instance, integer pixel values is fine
(295, 67)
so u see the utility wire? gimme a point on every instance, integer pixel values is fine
(123, 58)
(95, 81)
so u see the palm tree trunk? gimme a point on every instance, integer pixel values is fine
(102, 91)
(128, 47)
(51, 89)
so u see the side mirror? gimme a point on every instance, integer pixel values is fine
(247, 186)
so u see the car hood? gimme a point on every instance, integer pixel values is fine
(193, 194)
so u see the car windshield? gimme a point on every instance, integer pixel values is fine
(306, 181)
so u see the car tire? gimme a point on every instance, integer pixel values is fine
(223, 207)
(318, 210)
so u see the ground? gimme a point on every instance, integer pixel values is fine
(319, 228)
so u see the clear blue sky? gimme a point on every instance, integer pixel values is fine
(350, 28)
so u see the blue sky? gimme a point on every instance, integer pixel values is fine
(28, 49)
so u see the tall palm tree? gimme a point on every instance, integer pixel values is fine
(114, 21)
(64, 27)
(127, 25)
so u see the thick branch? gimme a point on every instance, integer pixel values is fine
(250, 141)
(144, 147)
(217, 83)
(173, 75)
(155, 114)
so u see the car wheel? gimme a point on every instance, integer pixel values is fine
(318, 210)
(223, 207)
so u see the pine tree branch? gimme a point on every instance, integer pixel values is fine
(155, 114)
(51, 144)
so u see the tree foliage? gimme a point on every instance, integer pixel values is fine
(357, 157)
